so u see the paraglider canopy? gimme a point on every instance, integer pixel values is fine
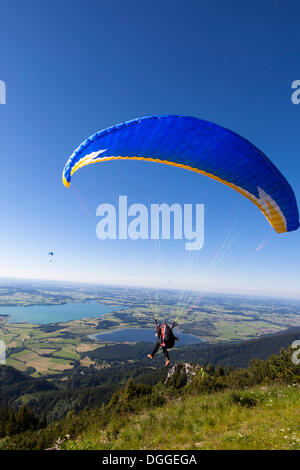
(199, 146)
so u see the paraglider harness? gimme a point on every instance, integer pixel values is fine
(165, 334)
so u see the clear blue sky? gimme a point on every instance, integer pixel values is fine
(73, 67)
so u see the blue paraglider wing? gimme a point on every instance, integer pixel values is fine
(200, 146)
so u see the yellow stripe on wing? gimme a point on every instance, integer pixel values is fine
(266, 205)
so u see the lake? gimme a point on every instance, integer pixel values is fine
(142, 334)
(43, 314)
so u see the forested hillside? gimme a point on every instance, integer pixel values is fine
(208, 407)
(88, 387)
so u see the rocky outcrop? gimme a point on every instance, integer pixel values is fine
(181, 374)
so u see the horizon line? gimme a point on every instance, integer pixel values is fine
(133, 286)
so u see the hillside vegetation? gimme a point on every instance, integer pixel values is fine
(194, 408)
(260, 418)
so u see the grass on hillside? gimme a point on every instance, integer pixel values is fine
(265, 417)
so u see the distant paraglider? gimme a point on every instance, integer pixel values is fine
(199, 146)
(51, 255)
